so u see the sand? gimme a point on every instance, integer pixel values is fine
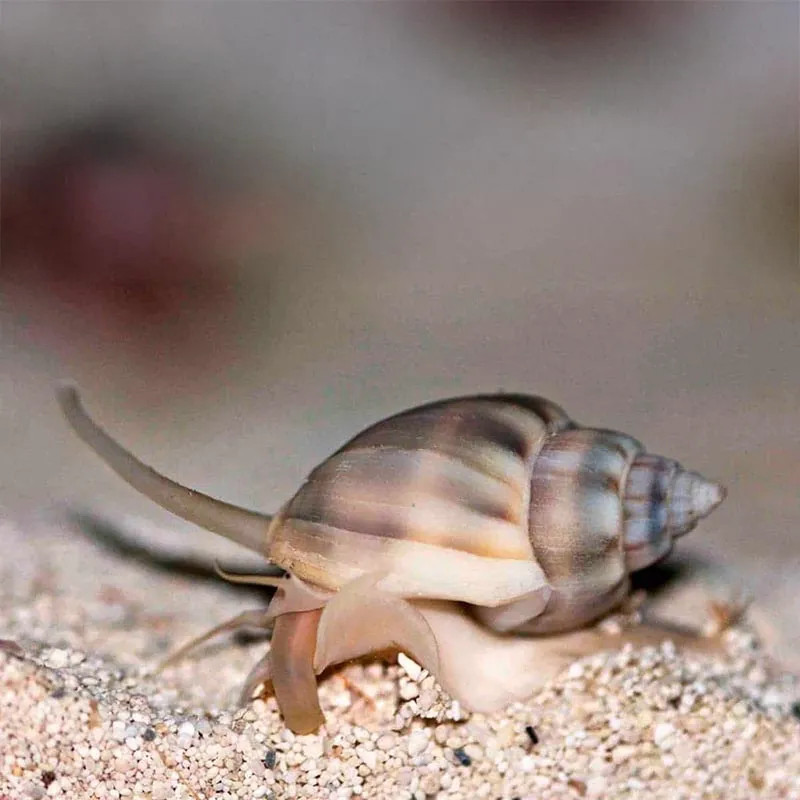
(83, 714)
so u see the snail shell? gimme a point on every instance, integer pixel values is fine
(500, 502)
(496, 501)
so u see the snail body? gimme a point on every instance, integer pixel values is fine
(498, 503)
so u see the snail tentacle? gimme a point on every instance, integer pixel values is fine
(256, 618)
(247, 528)
(292, 595)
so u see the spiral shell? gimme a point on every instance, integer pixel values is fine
(497, 501)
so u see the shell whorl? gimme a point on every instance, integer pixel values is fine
(576, 524)
(662, 501)
(437, 495)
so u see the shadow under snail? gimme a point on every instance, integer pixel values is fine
(481, 535)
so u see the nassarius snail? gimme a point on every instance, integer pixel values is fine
(441, 531)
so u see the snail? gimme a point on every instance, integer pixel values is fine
(482, 535)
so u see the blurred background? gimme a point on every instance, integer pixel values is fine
(249, 229)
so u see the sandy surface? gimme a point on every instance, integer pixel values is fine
(83, 714)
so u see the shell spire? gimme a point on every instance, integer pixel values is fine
(662, 501)
(693, 497)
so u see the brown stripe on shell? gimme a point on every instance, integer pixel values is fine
(473, 430)
(470, 421)
(453, 474)
(416, 423)
(422, 432)
(576, 523)
(645, 507)
(553, 416)
(414, 494)
(389, 475)
(443, 475)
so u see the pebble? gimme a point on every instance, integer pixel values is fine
(368, 757)
(596, 786)
(57, 658)
(314, 748)
(409, 666)
(417, 742)
(663, 734)
(408, 690)
(622, 753)
(575, 671)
